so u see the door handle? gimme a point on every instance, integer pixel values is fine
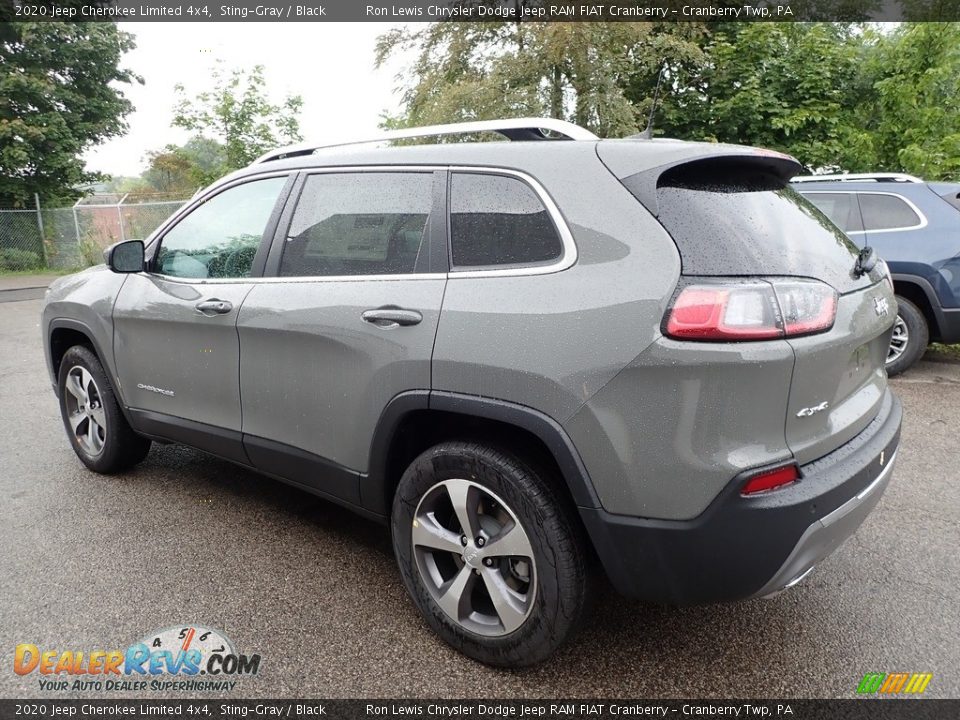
(388, 317)
(214, 307)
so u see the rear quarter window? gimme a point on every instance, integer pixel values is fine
(887, 212)
(497, 221)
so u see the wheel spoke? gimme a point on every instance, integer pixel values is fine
(465, 499)
(99, 416)
(512, 541)
(75, 419)
(455, 594)
(427, 532)
(74, 387)
(506, 601)
(94, 432)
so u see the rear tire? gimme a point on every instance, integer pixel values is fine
(911, 335)
(511, 588)
(95, 424)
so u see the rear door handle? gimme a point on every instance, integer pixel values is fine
(388, 317)
(214, 307)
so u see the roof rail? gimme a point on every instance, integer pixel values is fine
(513, 129)
(859, 177)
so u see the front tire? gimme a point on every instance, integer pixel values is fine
(491, 556)
(95, 425)
(910, 338)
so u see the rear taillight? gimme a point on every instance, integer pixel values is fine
(751, 310)
(771, 480)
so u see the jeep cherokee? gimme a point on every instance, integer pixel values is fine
(530, 358)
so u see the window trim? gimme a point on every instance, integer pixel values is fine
(266, 240)
(923, 218)
(290, 195)
(567, 257)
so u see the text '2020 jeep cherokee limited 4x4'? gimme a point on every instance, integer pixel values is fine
(526, 357)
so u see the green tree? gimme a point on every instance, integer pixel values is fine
(238, 113)
(573, 71)
(786, 86)
(906, 117)
(181, 169)
(58, 98)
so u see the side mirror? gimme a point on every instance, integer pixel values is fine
(125, 257)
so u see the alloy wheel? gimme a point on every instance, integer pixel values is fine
(474, 557)
(85, 412)
(898, 341)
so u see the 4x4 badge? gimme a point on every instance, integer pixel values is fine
(808, 411)
(881, 305)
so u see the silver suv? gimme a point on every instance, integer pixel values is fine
(531, 359)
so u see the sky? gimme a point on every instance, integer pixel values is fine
(329, 65)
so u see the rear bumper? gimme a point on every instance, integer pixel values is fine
(745, 547)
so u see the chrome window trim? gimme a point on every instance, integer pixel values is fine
(565, 261)
(923, 218)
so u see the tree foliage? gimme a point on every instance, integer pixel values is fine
(838, 96)
(58, 98)
(787, 86)
(181, 169)
(239, 114)
(574, 71)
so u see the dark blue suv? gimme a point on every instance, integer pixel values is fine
(914, 226)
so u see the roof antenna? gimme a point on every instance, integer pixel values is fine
(647, 134)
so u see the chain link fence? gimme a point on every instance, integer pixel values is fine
(75, 237)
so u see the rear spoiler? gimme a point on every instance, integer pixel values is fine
(639, 164)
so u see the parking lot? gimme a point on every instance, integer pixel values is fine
(95, 562)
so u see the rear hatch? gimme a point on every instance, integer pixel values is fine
(734, 219)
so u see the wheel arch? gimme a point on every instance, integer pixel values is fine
(921, 293)
(416, 420)
(64, 333)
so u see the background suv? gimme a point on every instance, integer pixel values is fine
(525, 357)
(915, 227)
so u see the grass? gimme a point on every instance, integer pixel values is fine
(39, 271)
(951, 352)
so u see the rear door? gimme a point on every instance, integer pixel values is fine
(347, 322)
(175, 336)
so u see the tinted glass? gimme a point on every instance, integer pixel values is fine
(886, 212)
(358, 224)
(499, 220)
(219, 239)
(730, 218)
(841, 208)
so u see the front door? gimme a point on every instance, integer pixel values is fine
(175, 334)
(347, 324)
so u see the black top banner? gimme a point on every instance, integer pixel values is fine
(478, 10)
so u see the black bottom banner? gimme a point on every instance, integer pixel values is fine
(885, 709)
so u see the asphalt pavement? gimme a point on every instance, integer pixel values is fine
(94, 562)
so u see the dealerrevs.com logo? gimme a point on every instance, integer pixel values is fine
(181, 658)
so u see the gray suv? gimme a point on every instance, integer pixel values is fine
(532, 359)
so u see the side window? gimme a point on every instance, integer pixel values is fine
(361, 223)
(886, 212)
(499, 220)
(219, 239)
(841, 208)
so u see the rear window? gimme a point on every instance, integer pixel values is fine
(731, 218)
(497, 220)
(887, 212)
